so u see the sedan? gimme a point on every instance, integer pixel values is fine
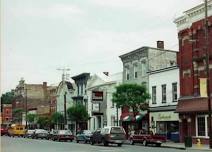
(84, 136)
(40, 133)
(64, 135)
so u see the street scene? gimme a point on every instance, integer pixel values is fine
(109, 75)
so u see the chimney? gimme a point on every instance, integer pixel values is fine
(106, 73)
(45, 84)
(160, 44)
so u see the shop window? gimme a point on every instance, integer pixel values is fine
(174, 92)
(163, 93)
(201, 123)
(154, 95)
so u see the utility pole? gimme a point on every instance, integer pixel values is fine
(208, 73)
(63, 82)
(65, 118)
(26, 106)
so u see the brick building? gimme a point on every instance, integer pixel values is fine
(31, 97)
(192, 108)
(6, 113)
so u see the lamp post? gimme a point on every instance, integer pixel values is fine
(65, 118)
(208, 73)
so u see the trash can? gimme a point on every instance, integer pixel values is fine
(175, 136)
(188, 141)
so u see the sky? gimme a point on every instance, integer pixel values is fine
(40, 36)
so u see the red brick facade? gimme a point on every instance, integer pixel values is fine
(193, 67)
(6, 113)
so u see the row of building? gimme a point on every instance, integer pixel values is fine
(173, 79)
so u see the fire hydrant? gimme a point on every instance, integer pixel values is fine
(199, 143)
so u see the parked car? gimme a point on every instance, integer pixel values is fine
(147, 138)
(64, 135)
(40, 133)
(84, 136)
(106, 135)
(29, 133)
(4, 131)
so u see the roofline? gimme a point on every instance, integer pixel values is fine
(163, 70)
(107, 83)
(80, 75)
(145, 48)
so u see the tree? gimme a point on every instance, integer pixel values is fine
(44, 122)
(133, 96)
(17, 115)
(31, 118)
(57, 118)
(7, 97)
(78, 113)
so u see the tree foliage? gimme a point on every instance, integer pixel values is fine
(57, 118)
(31, 118)
(133, 96)
(43, 121)
(78, 113)
(17, 115)
(7, 97)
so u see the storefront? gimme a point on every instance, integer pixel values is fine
(133, 124)
(165, 123)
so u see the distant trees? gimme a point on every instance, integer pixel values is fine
(7, 97)
(57, 118)
(43, 122)
(17, 115)
(133, 96)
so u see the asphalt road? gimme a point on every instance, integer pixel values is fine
(10, 144)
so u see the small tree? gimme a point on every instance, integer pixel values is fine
(133, 96)
(43, 122)
(7, 97)
(57, 118)
(78, 113)
(17, 115)
(31, 118)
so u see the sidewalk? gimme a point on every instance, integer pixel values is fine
(181, 146)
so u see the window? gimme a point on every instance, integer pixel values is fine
(154, 95)
(174, 92)
(143, 68)
(127, 74)
(201, 126)
(135, 71)
(164, 93)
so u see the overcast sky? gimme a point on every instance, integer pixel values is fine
(39, 36)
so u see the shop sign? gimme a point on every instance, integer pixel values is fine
(97, 96)
(164, 117)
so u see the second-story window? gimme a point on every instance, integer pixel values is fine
(143, 68)
(174, 92)
(154, 95)
(135, 69)
(163, 93)
(127, 74)
(82, 89)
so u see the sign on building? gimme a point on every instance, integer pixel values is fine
(97, 96)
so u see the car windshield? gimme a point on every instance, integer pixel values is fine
(87, 132)
(41, 131)
(117, 130)
(65, 132)
(30, 131)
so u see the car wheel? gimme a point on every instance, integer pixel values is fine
(91, 141)
(77, 141)
(105, 142)
(158, 144)
(131, 142)
(119, 144)
(145, 143)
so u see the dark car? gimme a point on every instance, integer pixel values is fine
(40, 133)
(4, 131)
(64, 135)
(147, 138)
(114, 135)
(29, 133)
(84, 136)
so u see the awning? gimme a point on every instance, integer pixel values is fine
(130, 117)
(139, 117)
(127, 118)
